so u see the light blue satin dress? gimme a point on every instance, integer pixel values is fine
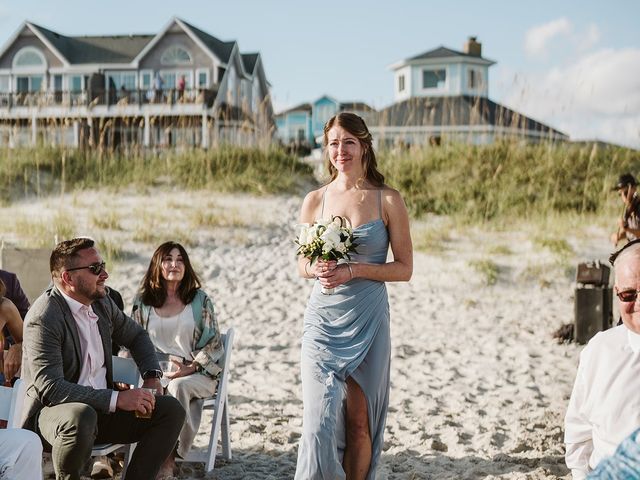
(346, 334)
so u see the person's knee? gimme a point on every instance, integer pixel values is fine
(29, 443)
(177, 386)
(80, 421)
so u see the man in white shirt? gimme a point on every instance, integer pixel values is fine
(71, 401)
(605, 403)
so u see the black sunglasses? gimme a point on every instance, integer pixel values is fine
(95, 268)
(627, 295)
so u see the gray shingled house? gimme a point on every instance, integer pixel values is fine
(179, 87)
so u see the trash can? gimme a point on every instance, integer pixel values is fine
(593, 300)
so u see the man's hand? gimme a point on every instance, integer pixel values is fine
(12, 361)
(136, 399)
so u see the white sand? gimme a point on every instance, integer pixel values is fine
(479, 387)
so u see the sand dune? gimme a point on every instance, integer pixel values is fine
(479, 388)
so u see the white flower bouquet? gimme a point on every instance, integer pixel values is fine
(328, 239)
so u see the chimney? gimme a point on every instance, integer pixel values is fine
(471, 47)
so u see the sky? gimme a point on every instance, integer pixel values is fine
(572, 64)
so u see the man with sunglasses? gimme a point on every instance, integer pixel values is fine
(605, 403)
(629, 222)
(71, 401)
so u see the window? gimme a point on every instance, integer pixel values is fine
(171, 78)
(75, 83)
(475, 78)
(29, 57)
(401, 83)
(202, 79)
(434, 78)
(175, 55)
(120, 79)
(145, 79)
(29, 83)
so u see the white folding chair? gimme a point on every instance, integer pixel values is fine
(220, 421)
(126, 371)
(11, 402)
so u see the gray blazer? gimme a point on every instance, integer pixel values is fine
(52, 356)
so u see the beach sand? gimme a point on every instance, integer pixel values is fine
(478, 386)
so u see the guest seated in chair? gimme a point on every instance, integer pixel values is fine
(11, 322)
(603, 408)
(71, 402)
(182, 325)
(12, 346)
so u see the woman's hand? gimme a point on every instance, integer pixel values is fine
(182, 370)
(12, 361)
(321, 268)
(338, 275)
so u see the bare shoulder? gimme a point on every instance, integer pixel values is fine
(311, 205)
(392, 198)
(8, 308)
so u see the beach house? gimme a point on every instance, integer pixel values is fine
(179, 87)
(441, 95)
(302, 125)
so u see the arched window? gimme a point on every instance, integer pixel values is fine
(29, 57)
(175, 56)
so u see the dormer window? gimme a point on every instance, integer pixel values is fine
(175, 55)
(434, 78)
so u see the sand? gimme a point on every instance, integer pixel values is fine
(478, 386)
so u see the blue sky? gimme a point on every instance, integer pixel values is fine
(572, 64)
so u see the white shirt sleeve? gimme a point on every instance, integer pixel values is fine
(114, 401)
(578, 434)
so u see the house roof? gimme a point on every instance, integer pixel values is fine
(249, 60)
(96, 49)
(221, 49)
(457, 111)
(357, 106)
(442, 52)
(303, 107)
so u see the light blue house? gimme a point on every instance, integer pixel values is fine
(303, 124)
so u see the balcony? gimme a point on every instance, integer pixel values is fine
(103, 101)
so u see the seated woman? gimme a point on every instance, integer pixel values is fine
(182, 324)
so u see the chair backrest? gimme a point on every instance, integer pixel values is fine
(126, 371)
(227, 341)
(11, 402)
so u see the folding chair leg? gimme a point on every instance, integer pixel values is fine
(226, 442)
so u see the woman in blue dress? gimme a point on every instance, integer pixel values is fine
(346, 347)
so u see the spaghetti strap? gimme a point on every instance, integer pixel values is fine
(323, 195)
(380, 202)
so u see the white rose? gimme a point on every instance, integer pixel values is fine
(330, 237)
(341, 248)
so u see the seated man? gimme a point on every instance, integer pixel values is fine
(603, 409)
(70, 400)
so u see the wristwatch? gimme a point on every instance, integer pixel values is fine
(152, 374)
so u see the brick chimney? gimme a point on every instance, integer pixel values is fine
(471, 47)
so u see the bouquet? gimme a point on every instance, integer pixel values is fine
(328, 239)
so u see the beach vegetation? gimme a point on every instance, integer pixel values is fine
(487, 269)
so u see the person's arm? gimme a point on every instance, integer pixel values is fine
(308, 213)
(578, 433)
(12, 357)
(16, 294)
(400, 268)
(207, 357)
